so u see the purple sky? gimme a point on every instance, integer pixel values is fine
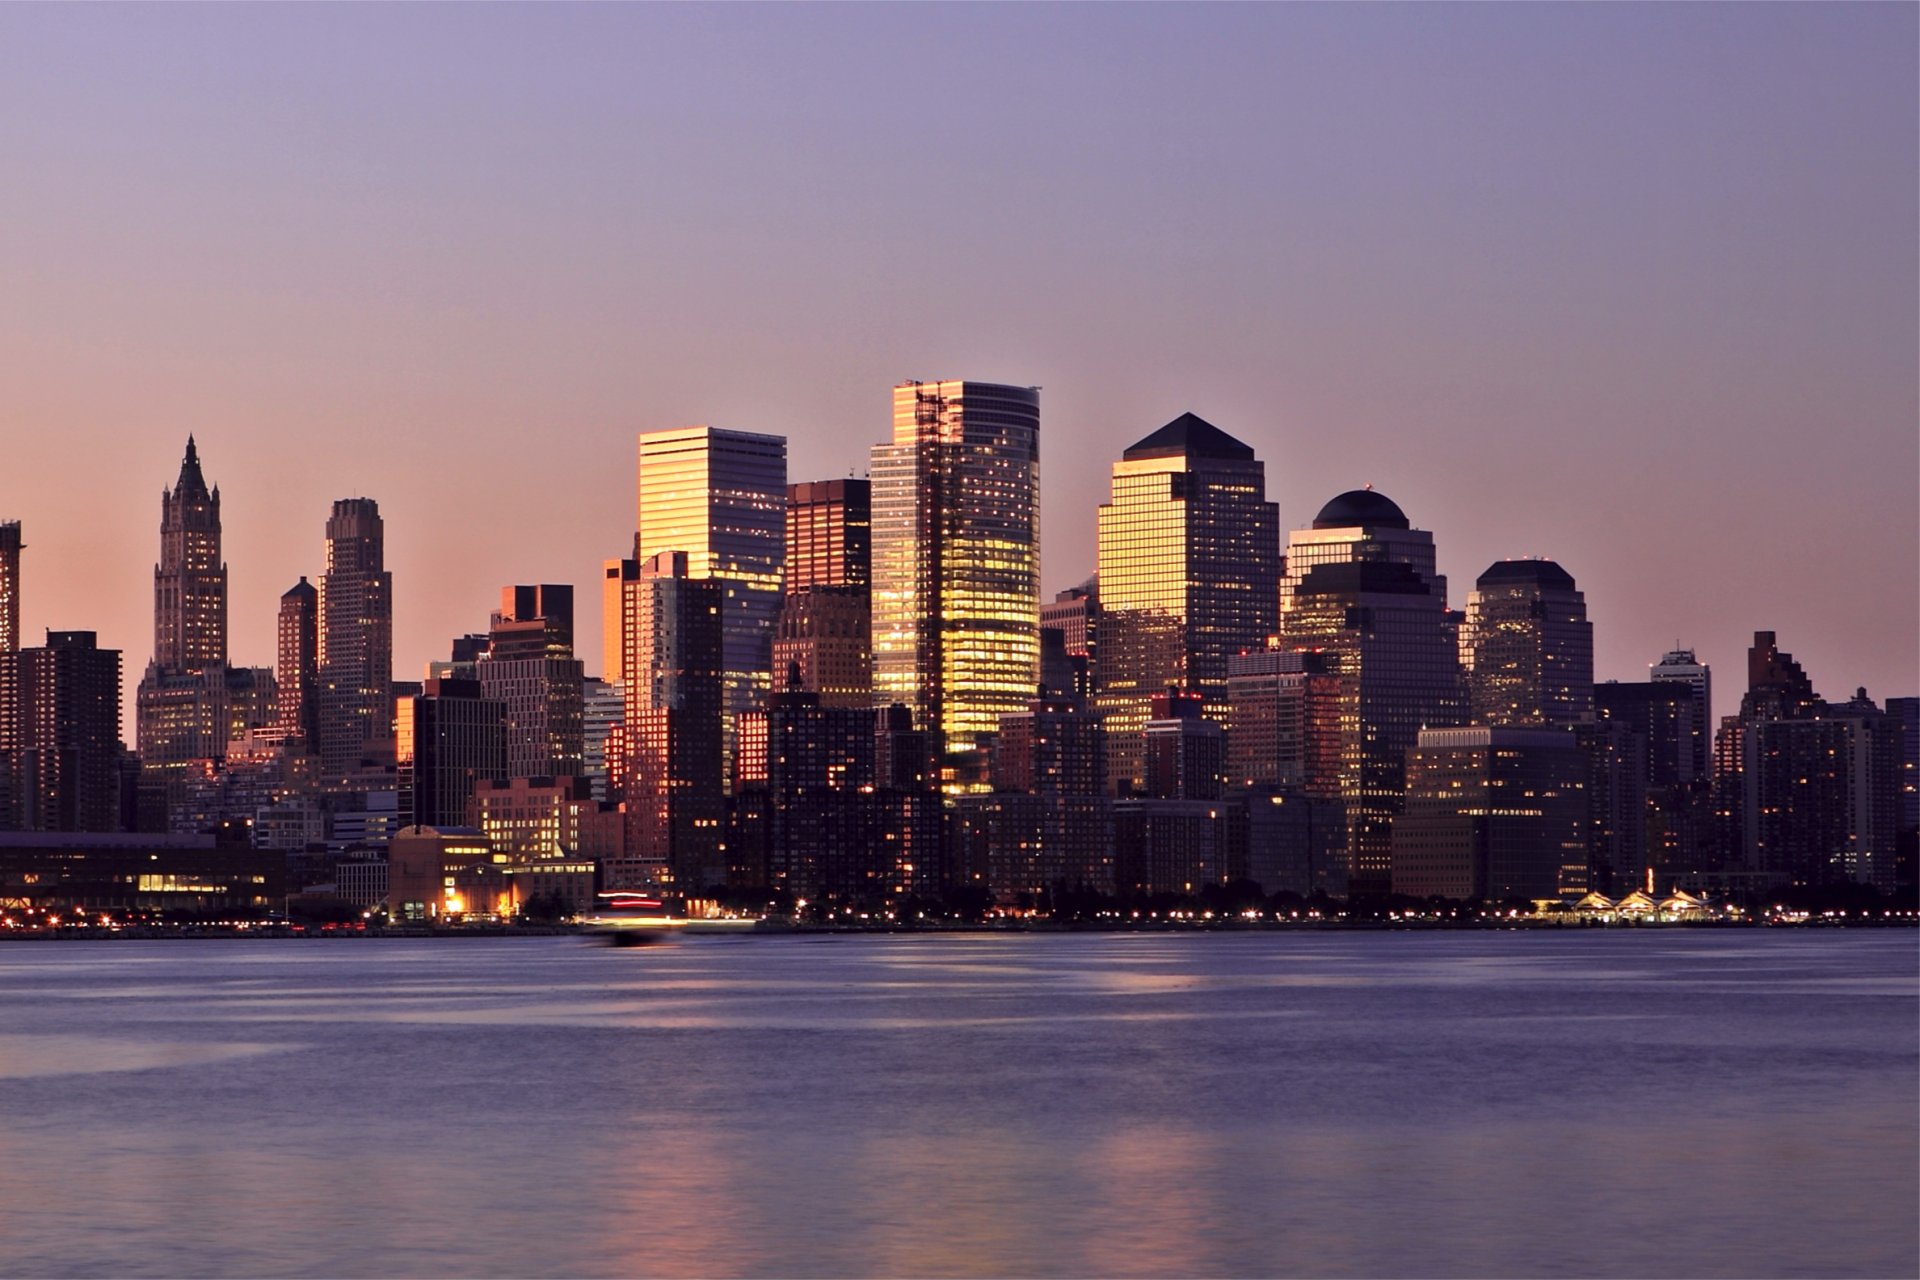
(1629, 286)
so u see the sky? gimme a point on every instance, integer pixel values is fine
(1635, 287)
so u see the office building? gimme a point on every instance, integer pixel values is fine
(1527, 647)
(66, 757)
(823, 644)
(447, 740)
(356, 638)
(1189, 568)
(603, 716)
(1382, 629)
(720, 498)
(189, 704)
(529, 668)
(816, 766)
(1283, 721)
(1680, 668)
(675, 715)
(956, 551)
(1360, 524)
(10, 547)
(1493, 813)
(1184, 752)
(829, 534)
(297, 670)
(1056, 746)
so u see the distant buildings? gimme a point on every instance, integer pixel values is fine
(529, 668)
(448, 739)
(1493, 812)
(298, 666)
(956, 560)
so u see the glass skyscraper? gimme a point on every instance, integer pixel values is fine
(721, 497)
(956, 563)
(356, 637)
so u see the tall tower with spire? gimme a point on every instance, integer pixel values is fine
(190, 582)
(190, 704)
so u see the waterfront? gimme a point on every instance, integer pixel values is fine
(1590, 1103)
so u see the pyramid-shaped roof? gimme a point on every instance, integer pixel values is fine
(1193, 436)
(191, 483)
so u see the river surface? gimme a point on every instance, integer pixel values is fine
(1611, 1103)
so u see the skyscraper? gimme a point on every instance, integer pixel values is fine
(1359, 524)
(829, 534)
(447, 740)
(10, 546)
(190, 582)
(675, 694)
(721, 498)
(356, 637)
(956, 558)
(1493, 812)
(1527, 646)
(67, 752)
(189, 703)
(1679, 666)
(1189, 553)
(530, 669)
(1384, 632)
(298, 665)
(824, 632)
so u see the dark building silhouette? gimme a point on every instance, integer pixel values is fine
(298, 668)
(1493, 812)
(10, 547)
(1527, 647)
(1184, 752)
(356, 638)
(675, 715)
(448, 739)
(1383, 631)
(67, 747)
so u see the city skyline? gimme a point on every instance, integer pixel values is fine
(1627, 288)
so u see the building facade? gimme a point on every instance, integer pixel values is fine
(956, 557)
(355, 687)
(1527, 647)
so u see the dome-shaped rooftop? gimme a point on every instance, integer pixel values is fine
(1361, 509)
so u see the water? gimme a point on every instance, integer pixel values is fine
(1592, 1103)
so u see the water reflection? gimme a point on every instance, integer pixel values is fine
(1347, 1104)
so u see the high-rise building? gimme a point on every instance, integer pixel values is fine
(675, 713)
(10, 546)
(816, 765)
(356, 638)
(1493, 812)
(1821, 794)
(603, 715)
(530, 669)
(1680, 667)
(1184, 752)
(956, 558)
(1055, 747)
(1360, 524)
(190, 582)
(720, 497)
(1283, 722)
(189, 704)
(1189, 552)
(447, 739)
(829, 534)
(1383, 630)
(298, 667)
(1906, 711)
(67, 746)
(1527, 647)
(824, 631)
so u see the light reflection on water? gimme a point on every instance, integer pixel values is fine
(1607, 1103)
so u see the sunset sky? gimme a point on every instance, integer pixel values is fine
(1629, 286)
